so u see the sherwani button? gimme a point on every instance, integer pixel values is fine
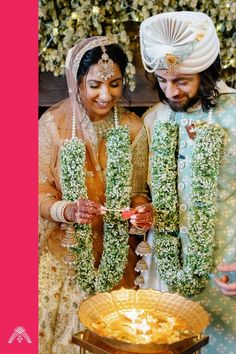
(181, 164)
(183, 207)
(181, 186)
(183, 229)
(183, 144)
(184, 122)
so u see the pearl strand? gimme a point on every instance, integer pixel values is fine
(145, 62)
(73, 121)
(209, 118)
(116, 121)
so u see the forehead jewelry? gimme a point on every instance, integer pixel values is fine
(105, 65)
(171, 61)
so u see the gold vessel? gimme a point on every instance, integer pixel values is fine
(144, 320)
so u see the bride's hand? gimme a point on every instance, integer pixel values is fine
(82, 211)
(143, 218)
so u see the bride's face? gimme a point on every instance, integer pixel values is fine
(98, 95)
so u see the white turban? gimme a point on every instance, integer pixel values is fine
(186, 41)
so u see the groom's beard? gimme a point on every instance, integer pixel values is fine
(182, 106)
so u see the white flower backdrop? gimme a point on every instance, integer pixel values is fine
(63, 23)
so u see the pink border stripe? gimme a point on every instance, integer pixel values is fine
(18, 176)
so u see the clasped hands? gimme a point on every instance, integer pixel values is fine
(84, 210)
(143, 217)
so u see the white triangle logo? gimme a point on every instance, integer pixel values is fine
(19, 334)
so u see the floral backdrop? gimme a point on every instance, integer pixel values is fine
(62, 23)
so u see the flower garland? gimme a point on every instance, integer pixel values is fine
(189, 276)
(118, 190)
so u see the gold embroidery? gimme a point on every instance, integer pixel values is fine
(140, 164)
(58, 319)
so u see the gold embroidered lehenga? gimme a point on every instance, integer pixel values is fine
(59, 298)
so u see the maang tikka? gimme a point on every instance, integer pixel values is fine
(105, 65)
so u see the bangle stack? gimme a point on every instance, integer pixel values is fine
(57, 211)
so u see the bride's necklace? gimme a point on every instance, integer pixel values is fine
(190, 275)
(118, 191)
(102, 127)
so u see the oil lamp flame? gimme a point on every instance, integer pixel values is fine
(145, 326)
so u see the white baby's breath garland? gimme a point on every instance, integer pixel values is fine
(191, 276)
(118, 191)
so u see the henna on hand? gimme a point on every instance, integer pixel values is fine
(143, 217)
(86, 210)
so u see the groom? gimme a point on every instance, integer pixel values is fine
(192, 136)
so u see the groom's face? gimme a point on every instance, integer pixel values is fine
(181, 90)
